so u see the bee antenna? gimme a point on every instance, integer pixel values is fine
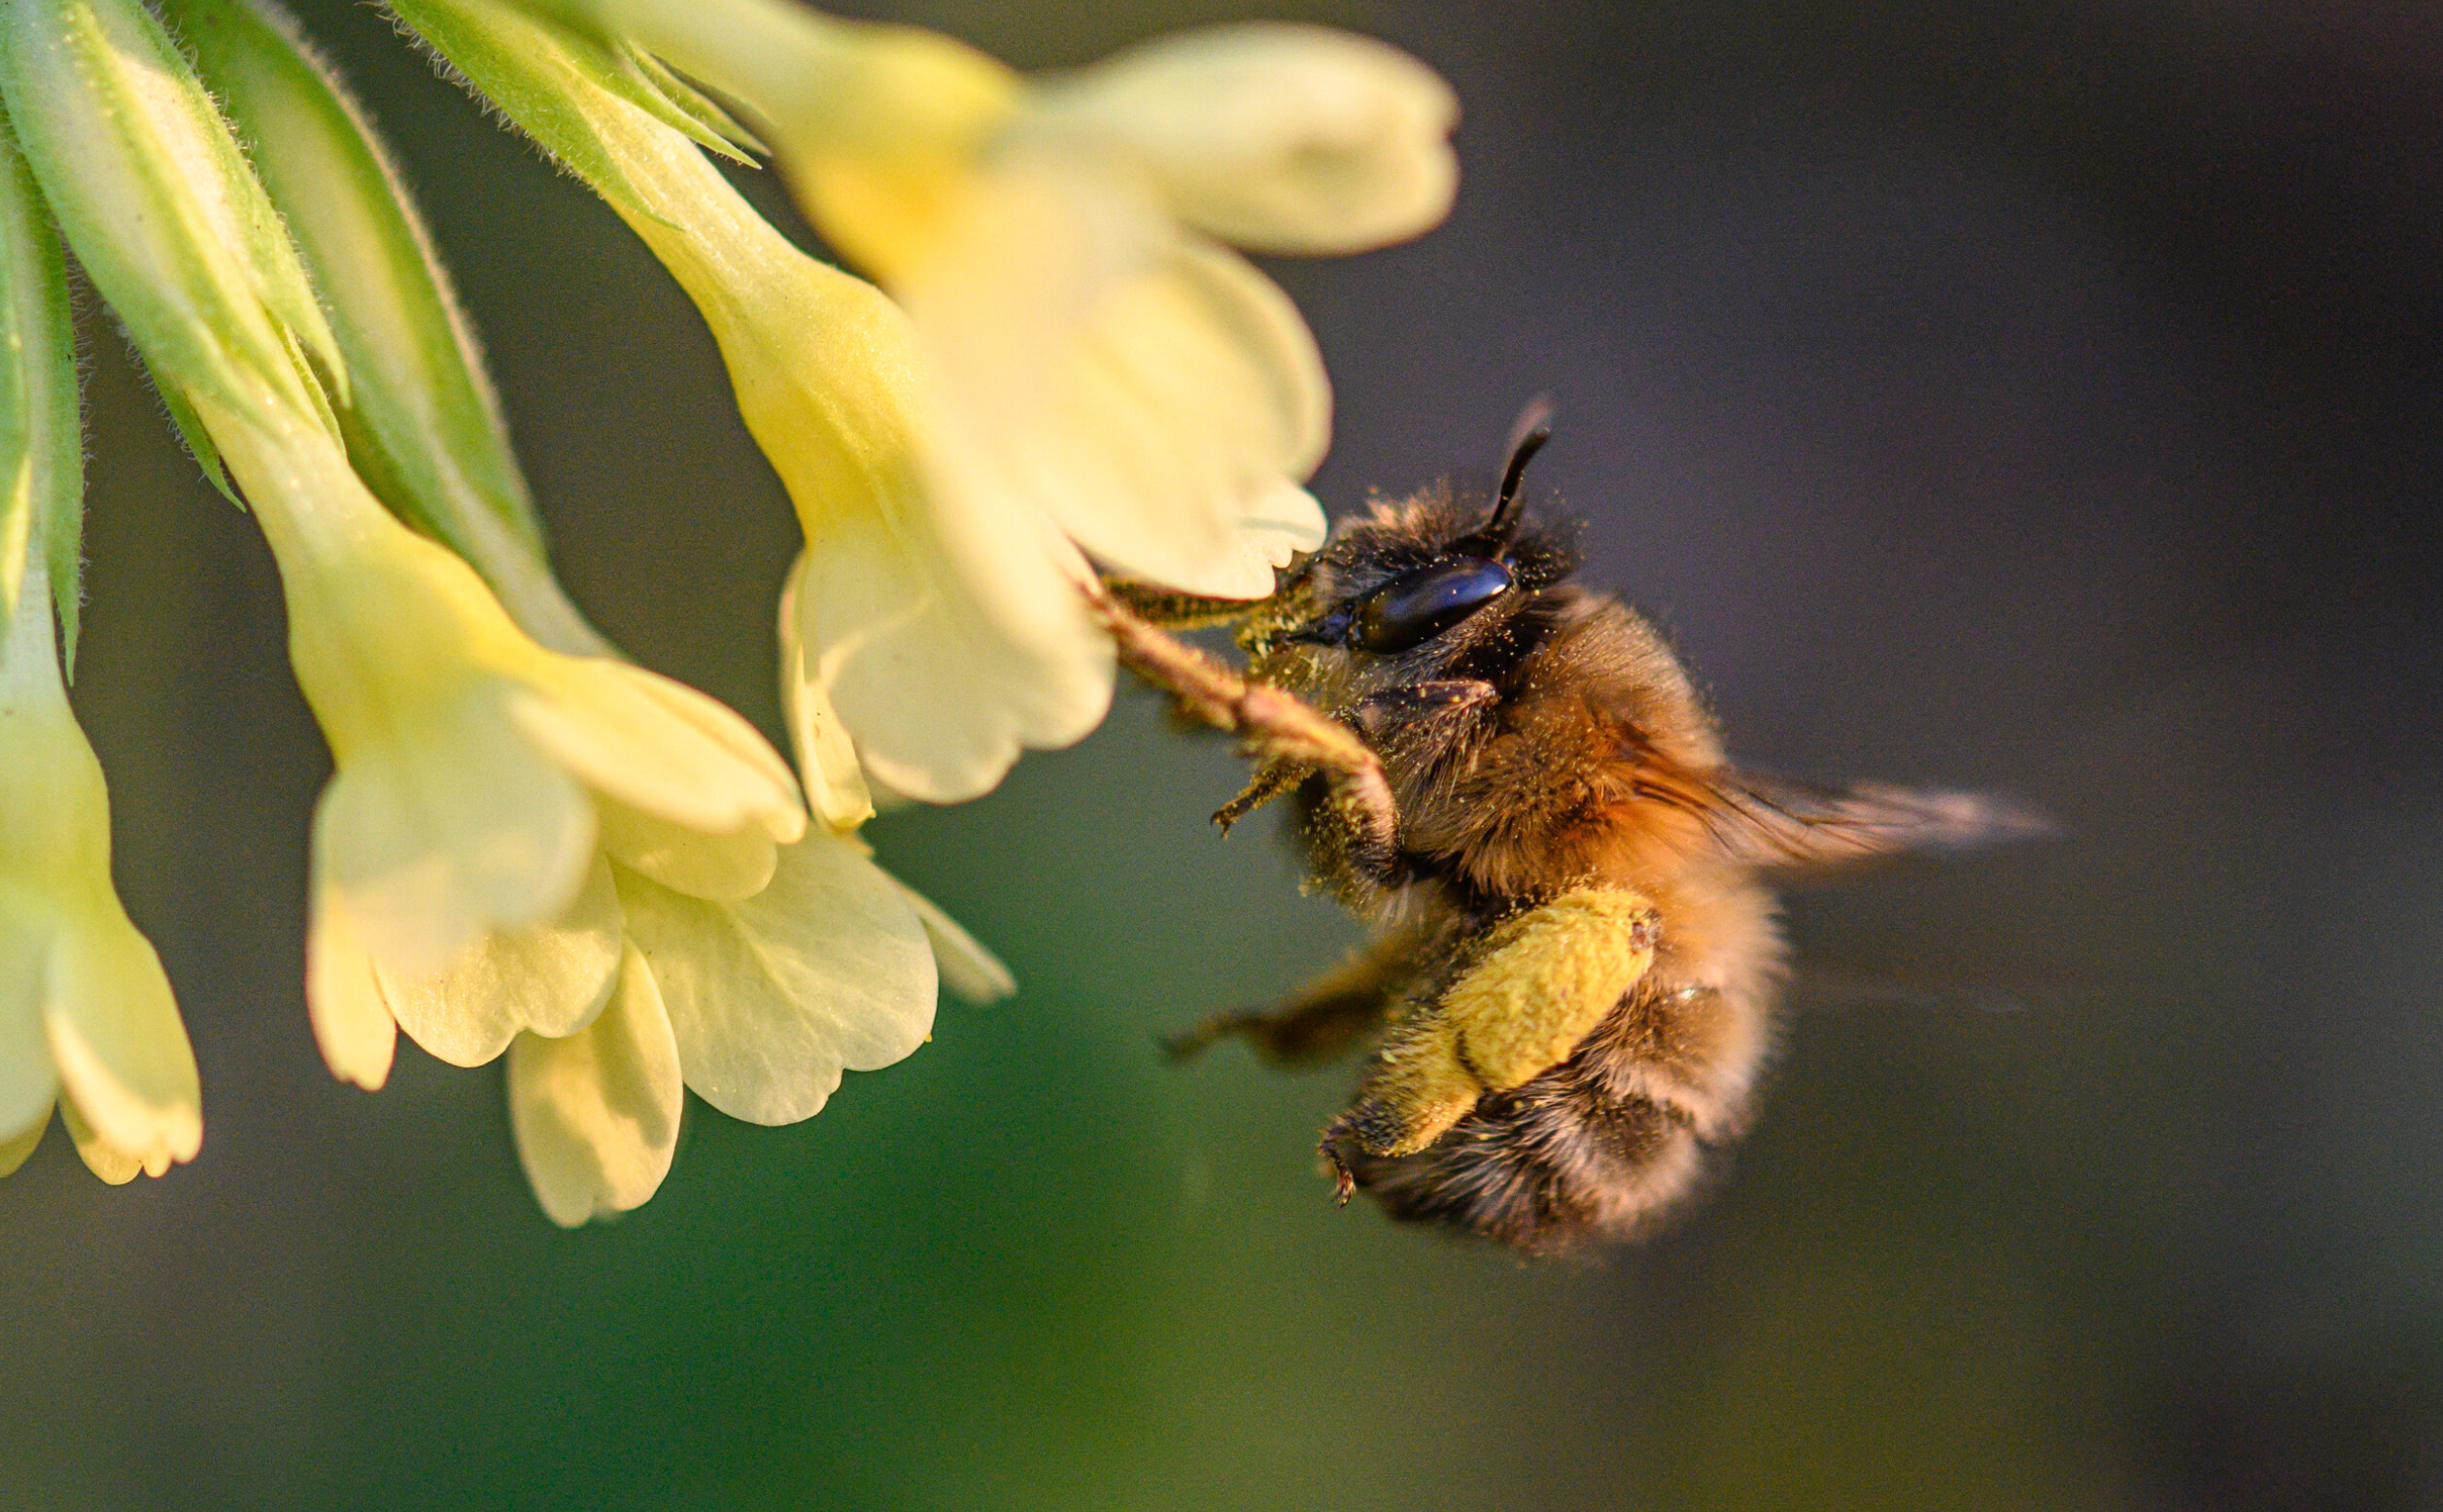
(1528, 436)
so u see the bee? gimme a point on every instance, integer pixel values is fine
(1572, 985)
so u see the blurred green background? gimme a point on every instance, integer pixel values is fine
(2036, 395)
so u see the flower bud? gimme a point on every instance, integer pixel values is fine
(167, 220)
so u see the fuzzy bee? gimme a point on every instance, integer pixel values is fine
(1572, 982)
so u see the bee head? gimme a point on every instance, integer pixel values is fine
(1418, 569)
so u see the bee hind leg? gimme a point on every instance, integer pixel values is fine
(1547, 978)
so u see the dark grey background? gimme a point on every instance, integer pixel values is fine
(2033, 396)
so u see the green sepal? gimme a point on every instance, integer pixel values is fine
(421, 421)
(695, 111)
(542, 75)
(167, 217)
(191, 429)
(42, 444)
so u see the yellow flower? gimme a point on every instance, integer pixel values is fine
(544, 850)
(462, 853)
(1086, 367)
(536, 849)
(759, 1005)
(943, 623)
(87, 1018)
(1058, 244)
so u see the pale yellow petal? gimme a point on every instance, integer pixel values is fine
(660, 747)
(596, 1115)
(1152, 396)
(27, 1081)
(1272, 531)
(770, 999)
(968, 969)
(455, 827)
(836, 789)
(15, 1147)
(721, 867)
(778, 800)
(352, 1023)
(551, 978)
(950, 642)
(1277, 137)
(115, 1037)
(101, 1158)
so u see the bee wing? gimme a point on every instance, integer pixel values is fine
(2001, 984)
(1782, 824)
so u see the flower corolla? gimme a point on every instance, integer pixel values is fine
(87, 1018)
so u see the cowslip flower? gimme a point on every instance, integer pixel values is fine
(1059, 241)
(758, 1005)
(943, 624)
(87, 1015)
(944, 502)
(87, 1018)
(758, 990)
(461, 852)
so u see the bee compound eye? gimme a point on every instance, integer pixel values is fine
(1417, 607)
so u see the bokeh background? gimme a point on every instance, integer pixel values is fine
(2036, 395)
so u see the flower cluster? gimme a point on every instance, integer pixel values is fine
(530, 847)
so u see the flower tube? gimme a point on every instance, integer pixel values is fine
(87, 1018)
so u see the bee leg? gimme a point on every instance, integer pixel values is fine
(1272, 779)
(1324, 1019)
(1385, 715)
(1171, 609)
(1278, 726)
(1301, 1032)
(1545, 980)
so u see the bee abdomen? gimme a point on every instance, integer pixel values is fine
(1559, 1161)
(1601, 1147)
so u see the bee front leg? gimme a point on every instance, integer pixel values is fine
(1292, 737)
(1170, 610)
(1546, 978)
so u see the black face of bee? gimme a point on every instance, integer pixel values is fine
(1464, 576)
(1414, 607)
